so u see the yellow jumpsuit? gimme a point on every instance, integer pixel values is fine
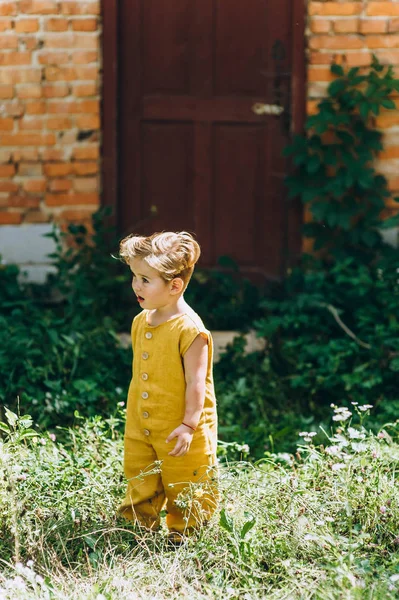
(155, 407)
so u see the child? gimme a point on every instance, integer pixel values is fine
(171, 407)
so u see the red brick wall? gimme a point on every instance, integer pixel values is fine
(49, 110)
(353, 32)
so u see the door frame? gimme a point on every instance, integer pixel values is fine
(110, 12)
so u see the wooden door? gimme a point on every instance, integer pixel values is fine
(193, 154)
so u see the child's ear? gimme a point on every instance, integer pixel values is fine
(177, 285)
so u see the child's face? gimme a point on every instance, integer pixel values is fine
(151, 290)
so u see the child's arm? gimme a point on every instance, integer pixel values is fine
(195, 368)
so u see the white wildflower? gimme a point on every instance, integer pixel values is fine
(333, 450)
(355, 434)
(342, 416)
(365, 407)
(338, 466)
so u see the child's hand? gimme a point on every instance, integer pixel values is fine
(184, 437)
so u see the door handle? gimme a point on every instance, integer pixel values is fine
(267, 109)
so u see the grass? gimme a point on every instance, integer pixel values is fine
(321, 523)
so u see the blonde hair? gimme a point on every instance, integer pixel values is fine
(171, 254)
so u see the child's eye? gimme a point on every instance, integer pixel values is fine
(145, 280)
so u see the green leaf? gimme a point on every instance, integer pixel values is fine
(247, 526)
(388, 103)
(336, 87)
(226, 521)
(11, 417)
(337, 69)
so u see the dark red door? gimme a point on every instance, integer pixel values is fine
(194, 154)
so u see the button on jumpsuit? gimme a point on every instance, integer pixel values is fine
(155, 407)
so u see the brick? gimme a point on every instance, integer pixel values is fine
(321, 58)
(346, 25)
(68, 137)
(23, 202)
(56, 154)
(335, 8)
(26, 25)
(343, 42)
(83, 57)
(389, 152)
(88, 122)
(57, 169)
(86, 41)
(74, 107)
(8, 8)
(10, 218)
(5, 156)
(22, 75)
(320, 25)
(87, 72)
(385, 121)
(85, 168)
(388, 57)
(35, 186)
(393, 26)
(59, 123)
(373, 25)
(85, 89)
(31, 123)
(59, 24)
(5, 24)
(63, 107)
(58, 41)
(7, 170)
(90, 106)
(384, 9)
(33, 90)
(35, 107)
(382, 41)
(8, 186)
(6, 124)
(60, 185)
(53, 58)
(70, 7)
(6, 91)
(71, 199)
(15, 58)
(86, 153)
(38, 7)
(36, 216)
(393, 183)
(8, 41)
(60, 73)
(86, 184)
(30, 169)
(27, 154)
(84, 24)
(28, 139)
(30, 42)
(358, 59)
(55, 90)
(12, 108)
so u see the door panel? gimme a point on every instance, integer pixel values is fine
(194, 155)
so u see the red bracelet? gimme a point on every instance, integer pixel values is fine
(189, 426)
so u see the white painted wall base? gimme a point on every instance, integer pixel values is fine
(25, 246)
